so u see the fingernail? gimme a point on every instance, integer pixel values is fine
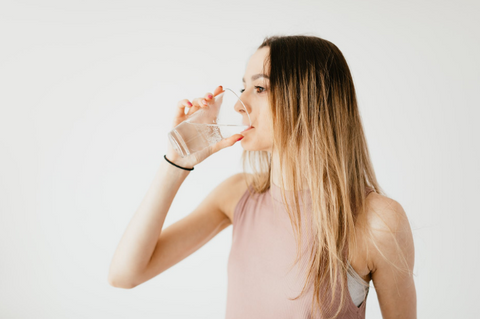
(190, 104)
(210, 96)
(240, 138)
(204, 102)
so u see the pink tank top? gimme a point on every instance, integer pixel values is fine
(263, 249)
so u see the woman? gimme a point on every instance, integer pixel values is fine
(311, 226)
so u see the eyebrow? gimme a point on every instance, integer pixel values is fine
(257, 76)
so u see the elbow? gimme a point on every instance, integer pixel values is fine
(120, 282)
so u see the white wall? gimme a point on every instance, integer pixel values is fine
(87, 94)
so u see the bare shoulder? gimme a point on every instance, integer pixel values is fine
(231, 191)
(383, 213)
(386, 231)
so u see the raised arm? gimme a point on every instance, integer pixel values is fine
(185, 236)
(146, 250)
(137, 244)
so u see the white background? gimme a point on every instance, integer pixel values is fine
(87, 95)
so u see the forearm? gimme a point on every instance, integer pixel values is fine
(140, 238)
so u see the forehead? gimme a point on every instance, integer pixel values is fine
(255, 63)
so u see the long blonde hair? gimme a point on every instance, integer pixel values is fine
(316, 122)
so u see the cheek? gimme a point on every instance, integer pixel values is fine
(265, 128)
(260, 136)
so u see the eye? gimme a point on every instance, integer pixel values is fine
(257, 87)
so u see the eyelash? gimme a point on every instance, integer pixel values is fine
(241, 91)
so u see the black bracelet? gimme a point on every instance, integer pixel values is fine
(187, 169)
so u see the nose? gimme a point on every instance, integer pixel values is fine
(243, 108)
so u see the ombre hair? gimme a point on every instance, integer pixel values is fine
(318, 134)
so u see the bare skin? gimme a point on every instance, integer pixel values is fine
(146, 250)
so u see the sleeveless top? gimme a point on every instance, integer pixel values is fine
(261, 271)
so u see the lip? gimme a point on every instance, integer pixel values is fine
(249, 128)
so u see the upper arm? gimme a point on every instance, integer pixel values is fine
(392, 259)
(187, 235)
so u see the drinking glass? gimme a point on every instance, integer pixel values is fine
(224, 116)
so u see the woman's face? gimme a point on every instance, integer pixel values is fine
(255, 98)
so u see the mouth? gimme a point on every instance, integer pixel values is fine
(247, 129)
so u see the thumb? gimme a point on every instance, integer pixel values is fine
(226, 142)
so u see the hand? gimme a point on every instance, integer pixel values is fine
(197, 157)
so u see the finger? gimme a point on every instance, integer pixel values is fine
(208, 96)
(218, 90)
(226, 142)
(192, 110)
(199, 102)
(202, 102)
(181, 105)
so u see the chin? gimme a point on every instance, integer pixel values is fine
(252, 147)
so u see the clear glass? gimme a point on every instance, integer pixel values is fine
(226, 115)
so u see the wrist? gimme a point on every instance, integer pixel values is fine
(178, 163)
(175, 158)
(173, 170)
